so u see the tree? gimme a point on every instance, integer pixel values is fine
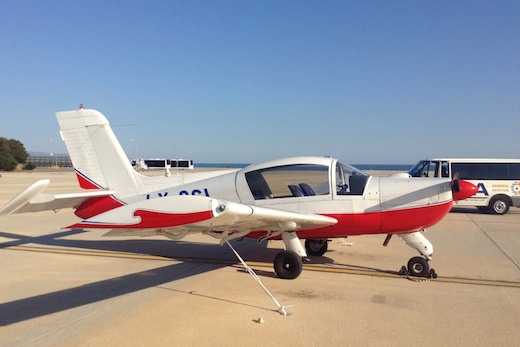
(12, 153)
(18, 151)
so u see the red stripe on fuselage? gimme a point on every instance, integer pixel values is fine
(383, 222)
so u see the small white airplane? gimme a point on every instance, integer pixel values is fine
(312, 198)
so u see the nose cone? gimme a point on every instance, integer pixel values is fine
(463, 190)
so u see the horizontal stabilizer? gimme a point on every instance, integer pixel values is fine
(24, 197)
(31, 199)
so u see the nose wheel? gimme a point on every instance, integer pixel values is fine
(419, 267)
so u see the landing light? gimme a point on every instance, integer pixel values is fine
(220, 208)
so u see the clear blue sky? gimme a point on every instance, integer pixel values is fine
(387, 82)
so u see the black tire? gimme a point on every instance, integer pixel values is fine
(288, 265)
(316, 247)
(418, 266)
(499, 205)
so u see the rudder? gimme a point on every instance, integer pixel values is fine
(97, 156)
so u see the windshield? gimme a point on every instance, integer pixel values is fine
(349, 180)
(425, 168)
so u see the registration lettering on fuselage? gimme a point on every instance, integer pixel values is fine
(204, 191)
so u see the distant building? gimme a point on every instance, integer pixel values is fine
(59, 160)
(181, 164)
(158, 164)
(62, 160)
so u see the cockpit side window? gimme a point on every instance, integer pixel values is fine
(289, 181)
(349, 180)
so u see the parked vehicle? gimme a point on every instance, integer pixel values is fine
(498, 180)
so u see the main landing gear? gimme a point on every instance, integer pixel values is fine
(288, 264)
(316, 247)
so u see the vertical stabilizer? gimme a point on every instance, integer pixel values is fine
(97, 156)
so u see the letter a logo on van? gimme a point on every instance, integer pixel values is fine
(482, 189)
(515, 188)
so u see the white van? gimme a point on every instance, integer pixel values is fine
(498, 180)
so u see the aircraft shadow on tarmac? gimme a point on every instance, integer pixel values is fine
(250, 248)
(183, 251)
(40, 305)
(175, 250)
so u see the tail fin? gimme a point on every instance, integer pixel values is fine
(97, 156)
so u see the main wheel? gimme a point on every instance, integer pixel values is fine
(316, 247)
(499, 205)
(288, 265)
(418, 266)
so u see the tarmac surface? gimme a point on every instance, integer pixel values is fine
(62, 287)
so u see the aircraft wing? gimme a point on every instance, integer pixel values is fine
(31, 199)
(200, 213)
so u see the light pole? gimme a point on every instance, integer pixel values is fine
(55, 154)
(135, 152)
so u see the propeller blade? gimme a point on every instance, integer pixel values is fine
(455, 182)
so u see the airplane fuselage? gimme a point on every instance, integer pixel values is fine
(388, 205)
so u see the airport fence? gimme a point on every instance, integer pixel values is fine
(50, 160)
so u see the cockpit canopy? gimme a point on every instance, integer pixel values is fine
(289, 180)
(349, 180)
(305, 179)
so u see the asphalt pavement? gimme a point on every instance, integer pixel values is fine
(62, 287)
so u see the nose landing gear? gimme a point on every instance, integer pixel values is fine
(419, 267)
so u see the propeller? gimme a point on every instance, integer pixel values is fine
(462, 189)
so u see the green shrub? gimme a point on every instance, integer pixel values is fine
(29, 166)
(7, 163)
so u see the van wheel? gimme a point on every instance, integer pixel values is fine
(499, 205)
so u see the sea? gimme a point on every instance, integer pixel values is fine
(379, 167)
